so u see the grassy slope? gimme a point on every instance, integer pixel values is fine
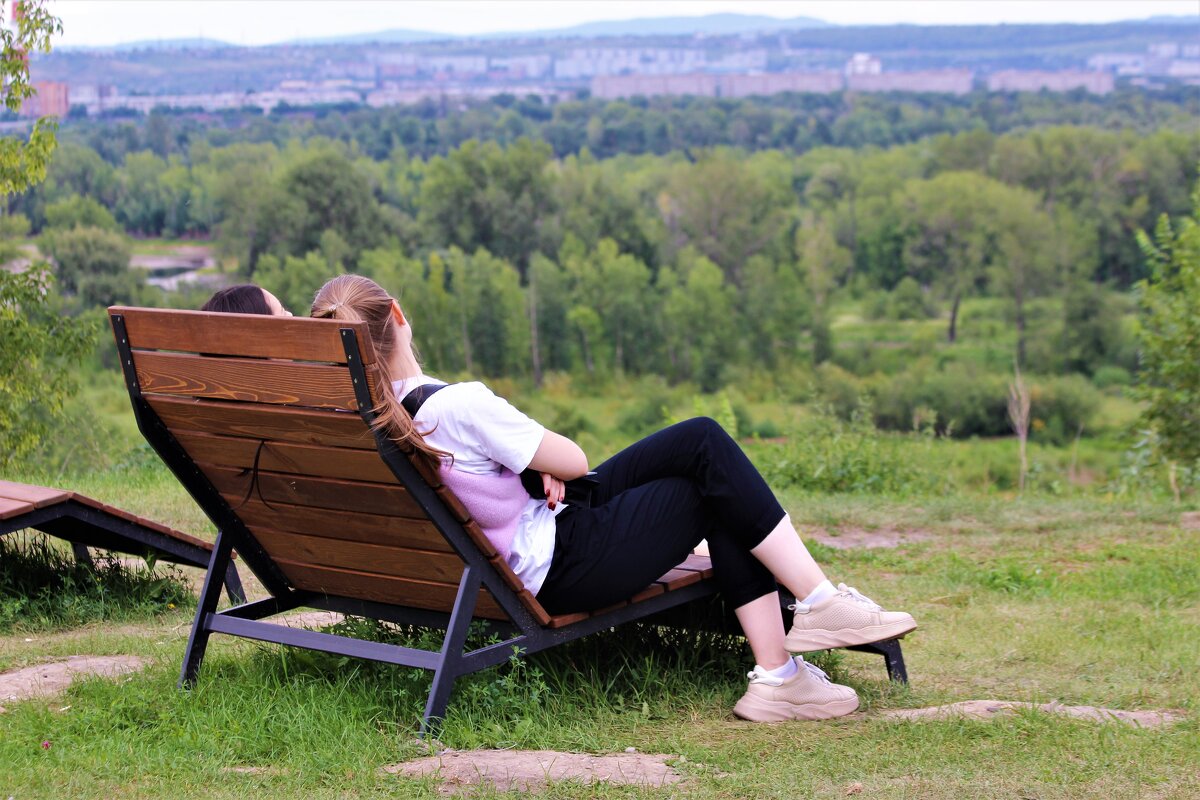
(1054, 599)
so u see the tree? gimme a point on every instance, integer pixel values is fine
(92, 265)
(77, 211)
(480, 196)
(23, 164)
(1170, 334)
(332, 195)
(726, 210)
(38, 353)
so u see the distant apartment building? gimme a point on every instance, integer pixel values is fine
(706, 85)
(1012, 80)
(741, 61)
(949, 81)
(457, 65)
(459, 94)
(863, 64)
(51, 99)
(1184, 68)
(779, 82)
(534, 66)
(612, 87)
(591, 62)
(1119, 63)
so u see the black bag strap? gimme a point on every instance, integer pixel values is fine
(579, 491)
(416, 398)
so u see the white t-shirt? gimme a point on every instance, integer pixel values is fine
(485, 432)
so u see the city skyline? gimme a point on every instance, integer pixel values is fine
(113, 22)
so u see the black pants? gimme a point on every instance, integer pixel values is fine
(656, 500)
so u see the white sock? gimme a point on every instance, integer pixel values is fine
(824, 589)
(786, 671)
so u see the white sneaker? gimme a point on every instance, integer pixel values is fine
(844, 619)
(808, 694)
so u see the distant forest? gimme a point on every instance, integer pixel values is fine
(678, 238)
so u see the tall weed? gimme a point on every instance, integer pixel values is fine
(823, 453)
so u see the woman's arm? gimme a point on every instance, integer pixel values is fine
(560, 457)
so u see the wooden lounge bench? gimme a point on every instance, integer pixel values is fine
(266, 422)
(85, 523)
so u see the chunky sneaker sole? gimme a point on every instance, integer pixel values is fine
(812, 640)
(805, 694)
(758, 709)
(843, 620)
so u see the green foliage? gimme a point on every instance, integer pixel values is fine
(78, 211)
(92, 266)
(823, 453)
(1170, 334)
(42, 588)
(39, 353)
(23, 164)
(294, 280)
(1062, 407)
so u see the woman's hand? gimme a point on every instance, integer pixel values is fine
(555, 490)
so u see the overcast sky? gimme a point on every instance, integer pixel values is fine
(101, 22)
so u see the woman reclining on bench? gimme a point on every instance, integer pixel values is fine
(654, 502)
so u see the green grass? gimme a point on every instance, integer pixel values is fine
(42, 587)
(1038, 599)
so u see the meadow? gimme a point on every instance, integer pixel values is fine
(1082, 590)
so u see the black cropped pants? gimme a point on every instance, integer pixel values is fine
(656, 500)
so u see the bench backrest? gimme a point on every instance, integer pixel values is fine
(266, 409)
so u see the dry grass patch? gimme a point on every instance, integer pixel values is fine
(535, 770)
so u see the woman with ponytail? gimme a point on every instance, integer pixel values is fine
(654, 502)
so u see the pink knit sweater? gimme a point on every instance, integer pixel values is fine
(495, 501)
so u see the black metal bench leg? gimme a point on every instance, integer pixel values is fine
(893, 657)
(83, 555)
(450, 660)
(210, 594)
(233, 585)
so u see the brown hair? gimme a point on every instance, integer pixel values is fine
(353, 298)
(245, 298)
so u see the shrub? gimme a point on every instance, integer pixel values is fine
(1108, 377)
(840, 391)
(965, 400)
(1061, 406)
(826, 454)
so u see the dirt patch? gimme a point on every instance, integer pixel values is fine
(533, 770)
(852, 538)
(987, 709)
(308, 619)
(46, 680)
(1190, 520)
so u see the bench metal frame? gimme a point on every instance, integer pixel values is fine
(524, 635)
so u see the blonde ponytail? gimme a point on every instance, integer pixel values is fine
(353, 298)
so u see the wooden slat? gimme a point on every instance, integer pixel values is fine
(395, 562)
(247, 380)
(256, 335)
(530, 602)
(302, 426)
(10, 508)
(301, 459)
(698, 563)
(39, 496)
(457, 509)
(653, 590)
(369, 498)
(398, 591)
(479, 538)
(351, 526)
(563, 620)
(506, 574)
(678, 578)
